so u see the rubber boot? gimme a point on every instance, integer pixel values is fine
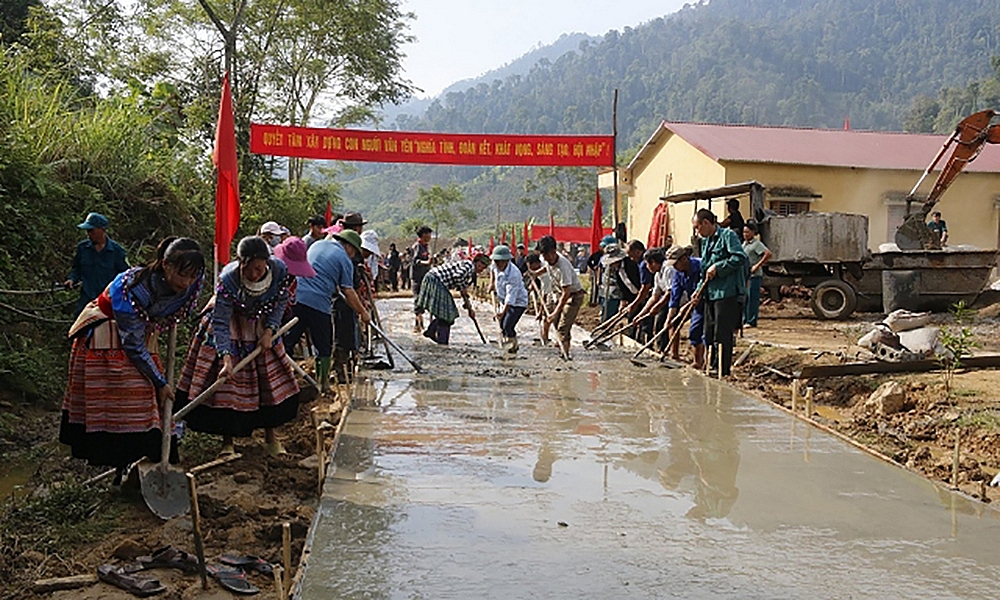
(342, 365)
(443, 334)
(323, 373)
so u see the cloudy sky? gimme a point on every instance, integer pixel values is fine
(458, 39)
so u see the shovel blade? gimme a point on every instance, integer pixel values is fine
(165, 491)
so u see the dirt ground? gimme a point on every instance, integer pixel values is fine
(62, 528)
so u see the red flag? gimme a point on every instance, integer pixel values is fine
(470, 245)
(227, 189)
(492, 244)
(596, 230)
(526, 236)
(552, 224)
(513, 237)
(503, 236)
(329, 212)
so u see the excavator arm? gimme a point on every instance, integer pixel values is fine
(969, 138)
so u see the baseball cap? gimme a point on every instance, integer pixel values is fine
(94, 221)
(271, 227)
(676, 253)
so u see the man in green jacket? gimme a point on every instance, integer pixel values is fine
(724, 264)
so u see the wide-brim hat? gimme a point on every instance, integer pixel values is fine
(353, 219)
(369, 241)
(94, 221)
(351, 237)
(292, 252)
(501, 252)
(676, 253)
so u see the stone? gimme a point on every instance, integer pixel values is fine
(241, 477)
(129, 549)
(888, 399)
(310, 463)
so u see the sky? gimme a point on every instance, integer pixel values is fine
(459, 39)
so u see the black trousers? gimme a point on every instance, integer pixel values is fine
(722, 319)
(320, 328)
(661, 320)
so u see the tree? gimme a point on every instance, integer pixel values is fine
(291, 61)
(443, 206)
(921, 116)
(569, 188)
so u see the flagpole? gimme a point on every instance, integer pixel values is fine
(614, 153)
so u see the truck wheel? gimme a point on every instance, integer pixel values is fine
(833, 299)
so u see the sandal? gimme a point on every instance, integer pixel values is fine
(169, 558)
(248, 563)
(275, 448)
(133, 584)
(232, 579)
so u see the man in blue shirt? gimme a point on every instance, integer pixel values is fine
(684, 283)
(333, 261)
(98, 260)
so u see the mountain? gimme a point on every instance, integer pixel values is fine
(806, 63)
(567, 42)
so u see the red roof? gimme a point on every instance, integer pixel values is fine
(817, 147)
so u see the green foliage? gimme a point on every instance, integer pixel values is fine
(443, 207)
(65, 513)
(959, 342)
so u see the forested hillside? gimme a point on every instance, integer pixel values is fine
(810, 63)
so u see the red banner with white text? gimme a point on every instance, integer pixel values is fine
(432, 148)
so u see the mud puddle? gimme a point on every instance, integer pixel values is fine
(535, 478)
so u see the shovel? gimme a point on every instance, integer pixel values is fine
(396, 347)
(159, 481)
(391, 364)
(164, 488)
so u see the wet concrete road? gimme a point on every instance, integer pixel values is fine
(534, 478)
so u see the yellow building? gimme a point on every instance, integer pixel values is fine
(821, 170)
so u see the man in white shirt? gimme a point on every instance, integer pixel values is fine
(571, 299)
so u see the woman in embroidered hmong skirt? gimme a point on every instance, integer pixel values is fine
(245, 313)
(111, 410)
(435, 295)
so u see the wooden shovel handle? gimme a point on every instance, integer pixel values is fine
(221, 380)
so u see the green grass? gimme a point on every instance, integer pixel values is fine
(66, 514)
(198, 448)
(980, 419)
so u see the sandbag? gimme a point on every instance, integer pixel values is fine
(904, 320)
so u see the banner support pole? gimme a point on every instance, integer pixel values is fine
(614, 161)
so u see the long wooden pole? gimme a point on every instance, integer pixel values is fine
(199, 541)
(614, 159)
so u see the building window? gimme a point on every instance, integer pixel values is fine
(787, 208)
